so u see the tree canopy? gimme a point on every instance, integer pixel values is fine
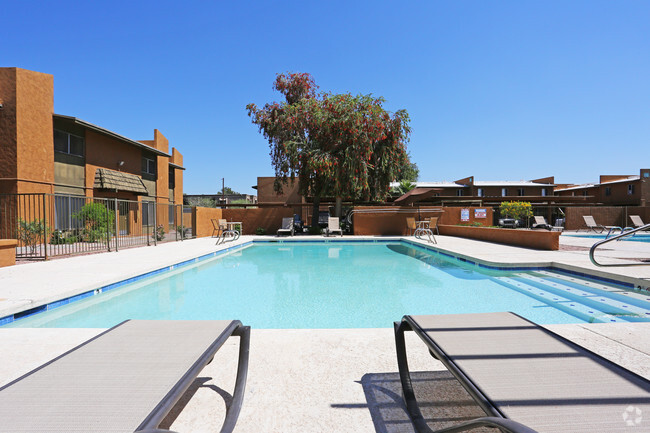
(340, 145)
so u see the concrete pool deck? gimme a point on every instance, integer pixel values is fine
(305, 380)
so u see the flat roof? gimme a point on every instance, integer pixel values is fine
(112, 134)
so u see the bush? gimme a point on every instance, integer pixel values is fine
(516, 209)
(315, 230)
(260, 231)
(98, 221)
(184, 231)
(31, 233)
(159, 233)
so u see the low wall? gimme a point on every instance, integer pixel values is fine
(392, 221)
(536, 239)
(270, 219)
(8, 252)
(202, 220)
(605, 215)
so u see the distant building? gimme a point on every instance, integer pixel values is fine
(613, 190)
(220, 199)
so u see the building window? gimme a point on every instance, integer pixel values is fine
(172, 178)
(459, 193)
(65, 209)
(171, 214)
(585, 193)
(71, 144)
(480, 192)
(608, 191)
(504, 192)
(148, 213)
(521, 192)
(148, 165)
(543, 192)
(630, 189)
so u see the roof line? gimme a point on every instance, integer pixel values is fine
(112, 134)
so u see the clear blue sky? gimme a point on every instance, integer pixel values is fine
(503, 90)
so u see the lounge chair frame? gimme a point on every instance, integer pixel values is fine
(151, 421)
(333, 221)
(287, 226)
(494, 418)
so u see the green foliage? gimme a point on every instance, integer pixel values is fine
(403, 187)
(98, 221)
(408, 170)
(337, 144)
(516, 209)
(228, 191)
(472, 224)
(201, 202)
(31, 233)
(183, 231)
(260, 231)
(60, 237)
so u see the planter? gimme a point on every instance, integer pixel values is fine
(536, 239)
(8, 252)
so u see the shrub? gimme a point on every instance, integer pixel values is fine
(260, 231)
(315, 230)
(31, 233)
(184, 231)
(98, 222)
(159, 233)
(516, 209)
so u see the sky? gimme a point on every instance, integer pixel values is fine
(503, 90)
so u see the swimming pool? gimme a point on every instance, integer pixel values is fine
(638, 237)
(346, 285)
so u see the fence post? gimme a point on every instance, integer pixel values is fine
(117, 224)
(45, 225)
(108, 228)
(155, 223)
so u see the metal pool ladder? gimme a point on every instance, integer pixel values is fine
(625, 233)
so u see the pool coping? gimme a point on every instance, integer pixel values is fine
(27, 310)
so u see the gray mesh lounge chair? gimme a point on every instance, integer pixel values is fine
(287, 226)
(124, 380)
(527, 379)
(636, 221)
(590, 224)
(333, 226)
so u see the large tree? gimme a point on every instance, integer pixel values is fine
(340, 145)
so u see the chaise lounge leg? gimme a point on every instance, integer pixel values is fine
(505, 425)
(232, 412)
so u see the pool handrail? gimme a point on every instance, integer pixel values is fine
(592, 250)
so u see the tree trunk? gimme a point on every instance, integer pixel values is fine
(337, 208)
(314, 211)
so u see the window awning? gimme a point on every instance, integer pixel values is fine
(119, 181)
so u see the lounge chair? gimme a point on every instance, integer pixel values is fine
(540, 223)
(526, 378)
(636, 221)
(590, 224)
(333, 226)
(126, 379)
(287, 227)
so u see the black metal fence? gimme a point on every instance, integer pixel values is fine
(48, 225)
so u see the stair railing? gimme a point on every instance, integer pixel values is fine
(616, 238)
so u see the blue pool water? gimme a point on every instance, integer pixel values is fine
(638, 237)
(343, 285)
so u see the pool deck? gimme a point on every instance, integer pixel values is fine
(305, 380)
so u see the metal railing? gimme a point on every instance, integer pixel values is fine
(48, 225)
(626, 233)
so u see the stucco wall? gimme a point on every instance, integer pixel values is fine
(605, 215)
(537, 239)
(201, 220)
(7, 252)
(270, 219)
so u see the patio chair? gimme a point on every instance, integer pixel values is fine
(333, 226)
(287, 226)
(433, 224)
(540, 223)
(218, 226)
(524, 377)
(126, 379)
(410, 225)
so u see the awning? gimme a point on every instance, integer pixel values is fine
(417, 194)
(119, 181)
